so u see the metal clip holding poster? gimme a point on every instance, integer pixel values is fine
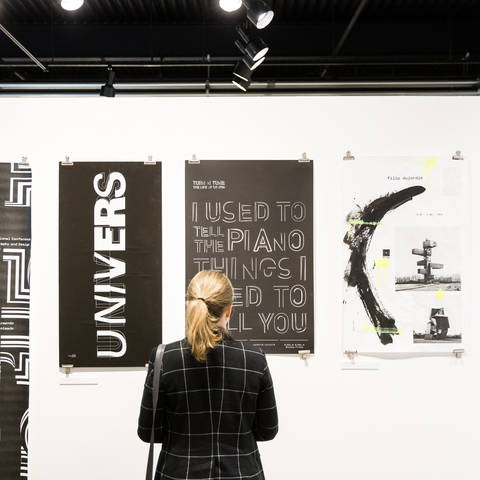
(304, 354)
(354, 364)
(304, 158)
(457, 155)
(348, 156)
(150, 161)
(458, 352)
(194, 159)
(70, 380)
(67, 161)
(67, 369)
(24, 161)
(351, 354)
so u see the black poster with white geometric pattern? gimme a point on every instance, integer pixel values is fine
(110, 263)
(253, 221)
(15, 234)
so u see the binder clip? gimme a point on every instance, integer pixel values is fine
(304, 158)
(71, 380)
(150, 161)
(67, 161)
(304, 354)
(458, 352)
(351, 354)
(194, 159)
(348, 156)
(457, 155)
(24, 161)
(67, 368)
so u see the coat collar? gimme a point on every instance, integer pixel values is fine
(226, 334)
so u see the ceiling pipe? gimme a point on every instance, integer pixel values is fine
(457, 87)
(191, 62)
(23, 49)
(346, 33)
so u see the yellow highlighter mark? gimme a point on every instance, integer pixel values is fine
(371, 328)
(430, 163)
(440, 294)
(381, 265)
(357, 221)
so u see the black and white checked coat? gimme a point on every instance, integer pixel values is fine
(210, 415)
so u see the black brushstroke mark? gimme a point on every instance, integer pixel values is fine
(358, 239)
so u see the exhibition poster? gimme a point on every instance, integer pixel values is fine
(110, 263)
(405, 250)
(253, 221)
(15, 235)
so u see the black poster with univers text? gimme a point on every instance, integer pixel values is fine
(110, 263)
(253, 221)
(15, 249)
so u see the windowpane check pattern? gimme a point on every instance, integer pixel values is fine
(210, 415)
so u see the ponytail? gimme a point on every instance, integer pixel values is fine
(208, 295)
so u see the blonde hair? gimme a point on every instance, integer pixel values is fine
(209, 293)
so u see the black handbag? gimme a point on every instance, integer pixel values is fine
(157, 366)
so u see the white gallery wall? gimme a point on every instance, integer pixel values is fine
(413, 418)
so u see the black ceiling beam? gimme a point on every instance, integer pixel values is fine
(383, 50)
(183, 11)
(382, 38)
(346, 32)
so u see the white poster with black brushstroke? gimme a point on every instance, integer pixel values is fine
(110, 263)
(253, 221)
(405, 246)
(15, 234)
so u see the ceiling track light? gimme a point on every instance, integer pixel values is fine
(242, 71)
(230, 5)
(251, 64)
(241, 83)
(108, 90)
(255, 48)
(258, 12)
(71, 5)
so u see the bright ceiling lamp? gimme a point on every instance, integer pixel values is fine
(71, 4)
(258, 12)
(230, 5)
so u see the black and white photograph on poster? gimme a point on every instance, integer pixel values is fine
(427, 259)
(405, 246)
(110, 263)
(15, 248)
(253, 221)
(441, 322)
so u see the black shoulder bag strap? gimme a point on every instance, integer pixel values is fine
(156, 384)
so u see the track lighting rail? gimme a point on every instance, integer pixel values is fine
(446, 87)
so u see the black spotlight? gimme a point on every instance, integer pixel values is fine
(255, 48)
(251, 64)
(108, 89)
(242, 71)
(241, 83)
(258, 12)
